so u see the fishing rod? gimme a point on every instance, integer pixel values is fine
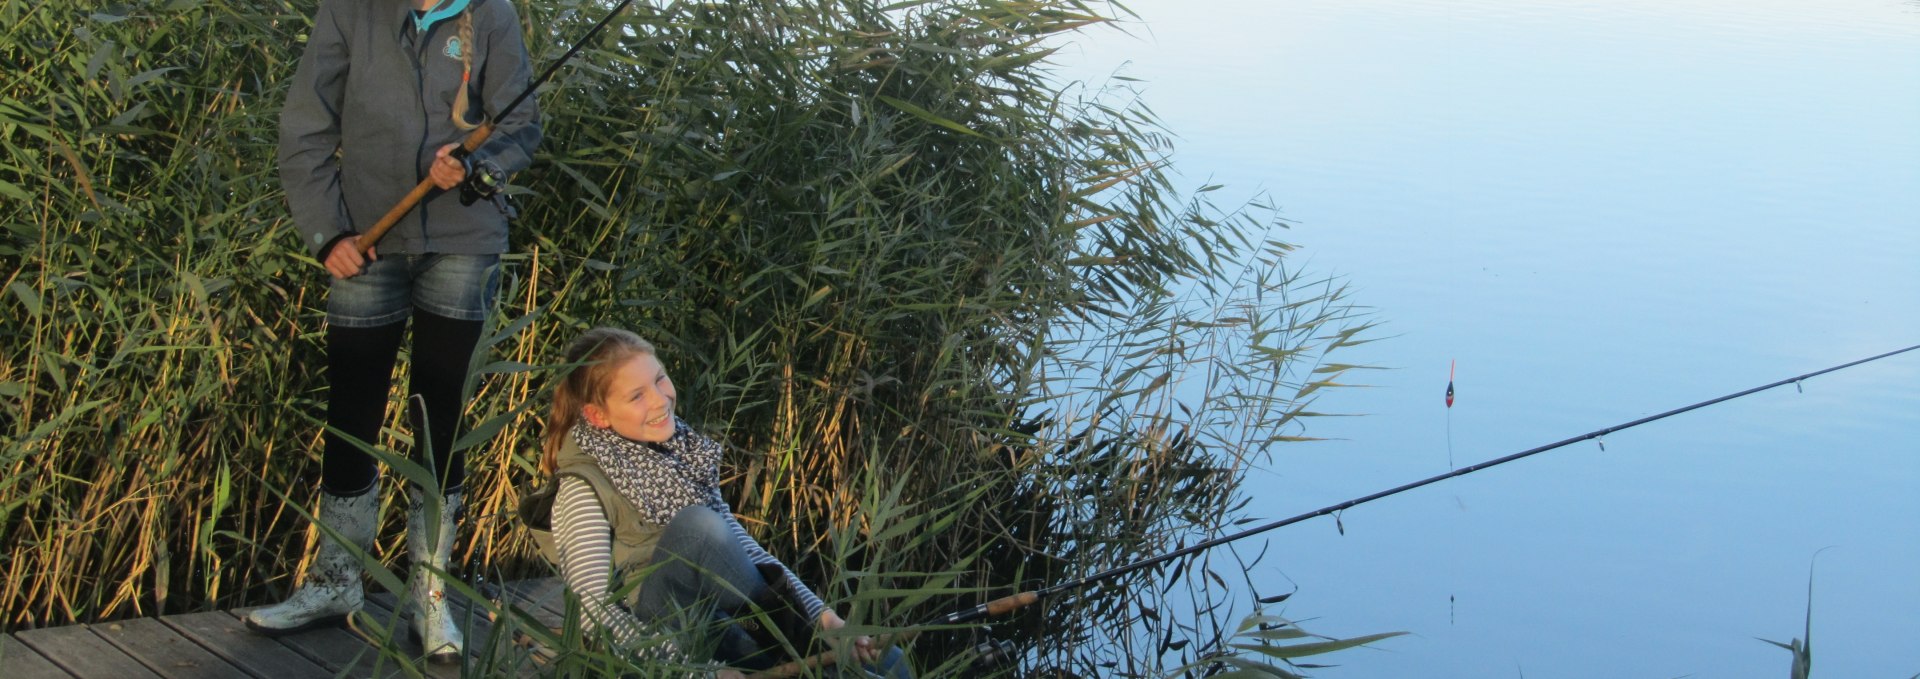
(1008, 604)
(479, 136)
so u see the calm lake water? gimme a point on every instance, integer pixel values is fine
(1600, 211)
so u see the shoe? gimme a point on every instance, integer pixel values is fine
(430, 542)
(332, 588)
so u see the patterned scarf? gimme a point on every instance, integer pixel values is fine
(658, 479)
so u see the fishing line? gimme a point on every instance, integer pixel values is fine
(1015, 602)
(1450, 366)
(1452, 529)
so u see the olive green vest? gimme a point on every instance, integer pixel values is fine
(633, 539)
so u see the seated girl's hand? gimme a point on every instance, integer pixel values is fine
(864, 650)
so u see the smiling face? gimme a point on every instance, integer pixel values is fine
(638, 403)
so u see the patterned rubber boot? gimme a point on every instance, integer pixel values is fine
(332, 589)
(430, 542)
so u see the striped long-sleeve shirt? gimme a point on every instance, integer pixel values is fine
(584, 537)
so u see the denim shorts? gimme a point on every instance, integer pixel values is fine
(460, 287)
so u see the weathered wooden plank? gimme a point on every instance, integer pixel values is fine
(549, 593)
(78, 650)
(510, 651)
(337, 650)
(22, 662)
(257, 655)
(380, 609)
(342, 651)
(165, 651)
(545, 599)
(474, 621)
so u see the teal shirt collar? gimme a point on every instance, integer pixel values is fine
(441, 11)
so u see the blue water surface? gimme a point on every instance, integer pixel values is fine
(1600, 211)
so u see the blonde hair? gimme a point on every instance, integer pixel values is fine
(460, 102)
(594, 356)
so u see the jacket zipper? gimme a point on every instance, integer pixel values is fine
(426, 121)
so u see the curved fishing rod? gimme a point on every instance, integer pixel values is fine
(1014, 602)
(479, 136)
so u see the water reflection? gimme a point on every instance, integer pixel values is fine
(1601, 210)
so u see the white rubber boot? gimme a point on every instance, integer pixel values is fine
(332, 588)
(430, 542)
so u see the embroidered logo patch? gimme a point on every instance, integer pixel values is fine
(454, 47)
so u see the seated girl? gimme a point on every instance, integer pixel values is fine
(639, 498)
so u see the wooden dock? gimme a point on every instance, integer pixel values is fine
(219, 645)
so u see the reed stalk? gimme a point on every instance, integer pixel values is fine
(957, 326)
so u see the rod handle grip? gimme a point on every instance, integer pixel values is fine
(1009, 604)
(472, 143)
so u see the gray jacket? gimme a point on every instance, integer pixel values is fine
(372, 101)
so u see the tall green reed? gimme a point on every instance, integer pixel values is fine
(886, 256)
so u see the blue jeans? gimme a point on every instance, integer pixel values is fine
(699, 572)
(449, 297)
(460, 287)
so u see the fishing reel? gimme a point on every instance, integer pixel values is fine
(485, 181)
(992, 654)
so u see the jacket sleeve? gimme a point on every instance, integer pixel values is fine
(310, 133)
(504, 74)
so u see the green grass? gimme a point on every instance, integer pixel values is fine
(961, 332)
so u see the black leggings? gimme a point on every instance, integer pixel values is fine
(359, 373)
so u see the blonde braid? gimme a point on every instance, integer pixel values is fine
(460, 103)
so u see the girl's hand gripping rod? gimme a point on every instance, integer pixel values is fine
(477, 137)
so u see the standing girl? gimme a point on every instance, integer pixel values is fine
(384, 90)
